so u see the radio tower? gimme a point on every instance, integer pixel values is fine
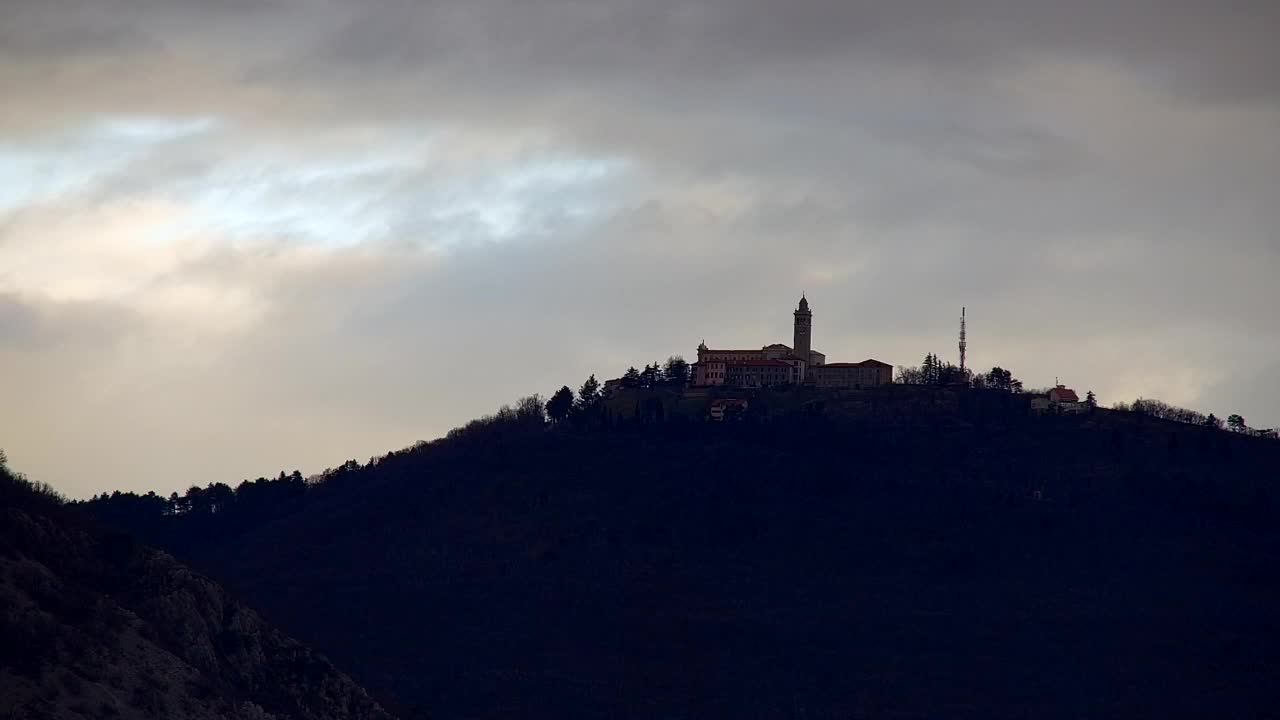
(963, 345)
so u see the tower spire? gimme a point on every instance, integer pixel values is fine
(802, 332)
(963, 344)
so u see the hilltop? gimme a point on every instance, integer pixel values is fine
(94, 625)
(917, 552)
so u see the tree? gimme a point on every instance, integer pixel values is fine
(649, 376)
(949, 374)
(1236, 423)
(589, 393)
(196, 501)
(998, 378)
(529, 410)
(560, 404)
(1212, 421)
(910, 375)
(1001, 379)
(631, 378)
(219, 497)
(929, 369)
(677, 370)
(1091, 400)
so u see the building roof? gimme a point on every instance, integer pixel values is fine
(777, 346)
(863, 364)
(757, 363)
(1065, 394)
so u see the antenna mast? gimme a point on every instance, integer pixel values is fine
(963, 345)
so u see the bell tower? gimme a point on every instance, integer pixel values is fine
(802, 338)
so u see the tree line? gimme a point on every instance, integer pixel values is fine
(255, 500)
(675, 373)
(939, 373)
(587, 405)
(1164, 411)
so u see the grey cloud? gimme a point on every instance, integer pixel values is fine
(30, 326)
(689, 49)
(1096, 181)
(372, 350)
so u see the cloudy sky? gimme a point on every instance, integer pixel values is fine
(241, 236)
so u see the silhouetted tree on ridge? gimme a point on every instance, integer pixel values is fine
(676, 371)
(588, 394)
(631, 378)
(560, 404)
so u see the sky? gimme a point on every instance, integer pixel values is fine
(245, 236)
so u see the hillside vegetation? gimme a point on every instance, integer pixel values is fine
(898, 553)
(93, 625)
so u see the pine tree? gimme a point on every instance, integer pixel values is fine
(589, 393)
(931, 370)
(631, 378)
(560, 404)
(649, 376)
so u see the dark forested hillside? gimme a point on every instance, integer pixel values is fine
(94, 625)
(938, 555)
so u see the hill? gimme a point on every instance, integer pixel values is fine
(938, 554)
(94, 625)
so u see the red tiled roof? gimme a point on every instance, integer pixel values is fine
(1065, 394)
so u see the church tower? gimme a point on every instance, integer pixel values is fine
(803, 334)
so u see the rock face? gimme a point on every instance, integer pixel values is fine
(94, 625)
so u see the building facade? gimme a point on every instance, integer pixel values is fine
(779, 364)
(853, 376)
(762, 373)
(1059, 399)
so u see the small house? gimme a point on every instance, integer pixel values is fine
(1060, 395)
